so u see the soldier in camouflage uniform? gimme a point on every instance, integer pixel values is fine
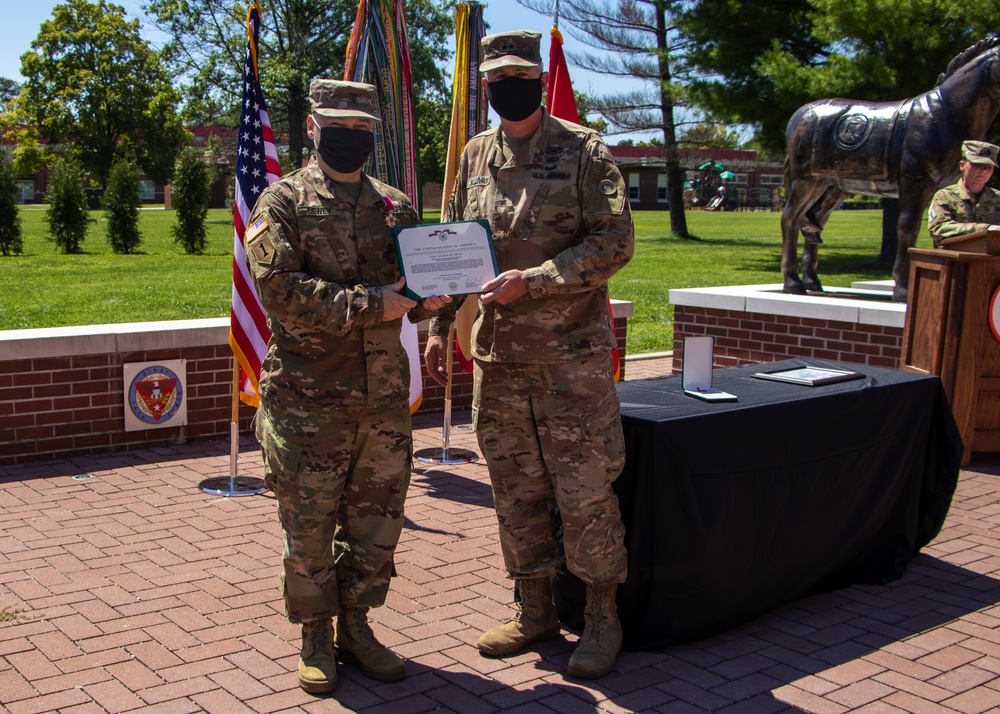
(334, 420)
(968, 206)
(544, 405)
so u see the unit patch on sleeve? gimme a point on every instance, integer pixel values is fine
(259, 243)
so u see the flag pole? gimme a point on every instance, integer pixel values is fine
(233, 485)
(467, 54)
(447, 455)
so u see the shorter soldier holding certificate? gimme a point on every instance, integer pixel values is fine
(334, 418)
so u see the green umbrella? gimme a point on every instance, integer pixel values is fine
(726, 175)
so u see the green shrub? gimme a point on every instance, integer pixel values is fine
(11, 242)
(67, 212)
(121, 201)
(189, 193)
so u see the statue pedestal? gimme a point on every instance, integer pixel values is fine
(759, 323)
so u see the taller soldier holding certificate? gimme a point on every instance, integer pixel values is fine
(544, 405)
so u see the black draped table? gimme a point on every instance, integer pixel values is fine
(732, 509)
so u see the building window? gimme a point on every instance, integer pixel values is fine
(661, 188)
(633, 187)
(25, 191)
(147, 191)
(740, 179)
(771, 179)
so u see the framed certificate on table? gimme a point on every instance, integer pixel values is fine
(810, 376)
(446, 258)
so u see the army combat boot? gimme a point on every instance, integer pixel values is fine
(356, 644)
(317, 666)
(535, 620)
(601, 640)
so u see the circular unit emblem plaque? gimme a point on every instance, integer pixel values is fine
(995, 313)
(155, 395)
(852, 130)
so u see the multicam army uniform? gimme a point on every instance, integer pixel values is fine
(334, 420)
(545, 406)
(955, 212)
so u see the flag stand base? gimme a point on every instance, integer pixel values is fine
(233, 484)
(226, 486)
(438, 455)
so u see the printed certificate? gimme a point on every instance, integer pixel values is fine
(446, 258)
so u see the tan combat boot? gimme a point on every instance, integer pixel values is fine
(601, 640)
(317, 666)
(356, 644)
(535, 620)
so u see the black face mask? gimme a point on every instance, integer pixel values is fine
(344, 150)
(515, 98)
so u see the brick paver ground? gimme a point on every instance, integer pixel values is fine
(135, 591)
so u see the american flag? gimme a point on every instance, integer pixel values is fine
(256, 168)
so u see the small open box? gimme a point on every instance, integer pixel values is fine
(696, 370)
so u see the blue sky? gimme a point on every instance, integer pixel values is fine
(25, 18)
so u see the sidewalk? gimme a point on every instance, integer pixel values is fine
(134, 591)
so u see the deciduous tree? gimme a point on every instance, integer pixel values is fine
(300, 40)
(92, 81)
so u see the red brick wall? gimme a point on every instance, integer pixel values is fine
(59, 406)
(749, 338)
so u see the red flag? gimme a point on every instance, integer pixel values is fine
(559, 98)
(256, 168)
(561, 103)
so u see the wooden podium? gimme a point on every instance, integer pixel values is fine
(951, 331)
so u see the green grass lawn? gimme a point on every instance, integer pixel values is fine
(43, 288)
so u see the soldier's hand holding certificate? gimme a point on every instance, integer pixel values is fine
(446, 258)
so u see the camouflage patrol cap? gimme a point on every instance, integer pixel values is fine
(337, 98)
(980, 152)
(518, 48)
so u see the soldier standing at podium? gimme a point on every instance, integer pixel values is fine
(969, 206)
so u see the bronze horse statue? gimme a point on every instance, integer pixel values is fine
(906, 150)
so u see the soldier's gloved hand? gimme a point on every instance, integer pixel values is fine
(395, 304)
(436, 358)
(504, 288)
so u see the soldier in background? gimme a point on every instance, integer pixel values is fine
(968, 206)
(334, 420)
(544, 404)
